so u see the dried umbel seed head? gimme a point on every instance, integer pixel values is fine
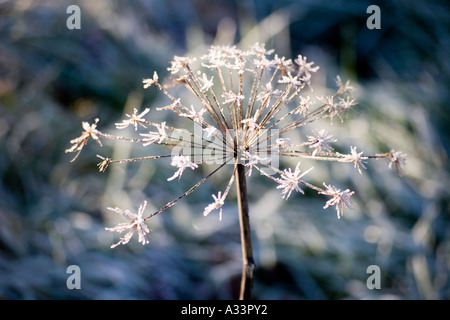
(242, 107)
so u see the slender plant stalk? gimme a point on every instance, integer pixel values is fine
(248, 264)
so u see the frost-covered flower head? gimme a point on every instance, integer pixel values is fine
(243, 105)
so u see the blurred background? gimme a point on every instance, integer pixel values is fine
(52, 211)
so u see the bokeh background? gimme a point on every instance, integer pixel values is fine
(52, 211)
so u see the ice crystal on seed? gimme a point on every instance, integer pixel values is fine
(194, 115)
(135, 120)
(339, 198)
(181, 162)
(153, 136)
(90, 131)
(289, 181)
(320, 141)
(356, 157)
(150, 81)
(396, 158)
(136, 224)
(217, 204)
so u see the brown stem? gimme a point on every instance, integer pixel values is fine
(248, 265)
